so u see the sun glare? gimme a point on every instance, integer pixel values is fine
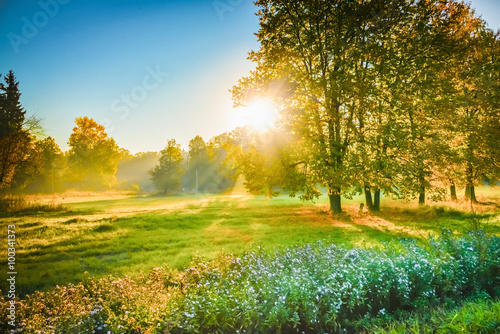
(260, 114)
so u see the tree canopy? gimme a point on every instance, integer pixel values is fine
(365, 89)
(167, 174)
(93, 156)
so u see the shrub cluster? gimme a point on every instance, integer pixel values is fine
(106, 305)
(315, 288)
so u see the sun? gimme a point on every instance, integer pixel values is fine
(260, 114)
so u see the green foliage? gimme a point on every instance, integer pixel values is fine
(93, 157)
(209, 169)
(44, 170)
(11, 112)
(167, 174)
(200, 170)
(15, 139)
(398, 96)
(326, 288)
(314, 288)
(53, 166)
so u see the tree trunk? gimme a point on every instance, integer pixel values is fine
(453, 191)
(334, 195)
(368, 198)
(470, 193)
(421, 196)
(376, 202)
(421, 184)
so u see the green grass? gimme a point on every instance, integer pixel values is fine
(128, 235)
(481, 316)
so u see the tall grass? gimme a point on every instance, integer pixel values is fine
(18, 204)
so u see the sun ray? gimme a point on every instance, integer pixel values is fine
(260, 114)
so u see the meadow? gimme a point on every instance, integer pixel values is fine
(120, 262)
(124, 234)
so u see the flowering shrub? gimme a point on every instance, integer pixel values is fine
(106, 305)
(326, 288)
(312, 289)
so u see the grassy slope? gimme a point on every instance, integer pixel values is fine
(125, 235)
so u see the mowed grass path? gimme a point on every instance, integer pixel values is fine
(128, 235)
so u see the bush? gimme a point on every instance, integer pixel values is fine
(311, 289)
(107, 305)
(326, 288)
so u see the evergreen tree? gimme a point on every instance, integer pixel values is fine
(15, 142)
(11, 112)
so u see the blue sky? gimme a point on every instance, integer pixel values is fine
(147, 70)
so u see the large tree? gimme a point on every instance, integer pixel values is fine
(305, 48)
(317, 58)
(93, 157)
(363, 86)
(478, 116)
(470, 127)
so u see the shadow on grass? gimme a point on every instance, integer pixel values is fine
(59, 253)
(435, 218)
(49, 214)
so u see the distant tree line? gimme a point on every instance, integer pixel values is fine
(31, 162)
(205, 168)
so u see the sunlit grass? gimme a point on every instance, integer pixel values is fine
(481, 316)
(18, 205)
(124, 236)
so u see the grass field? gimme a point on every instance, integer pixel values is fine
(123, 234)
